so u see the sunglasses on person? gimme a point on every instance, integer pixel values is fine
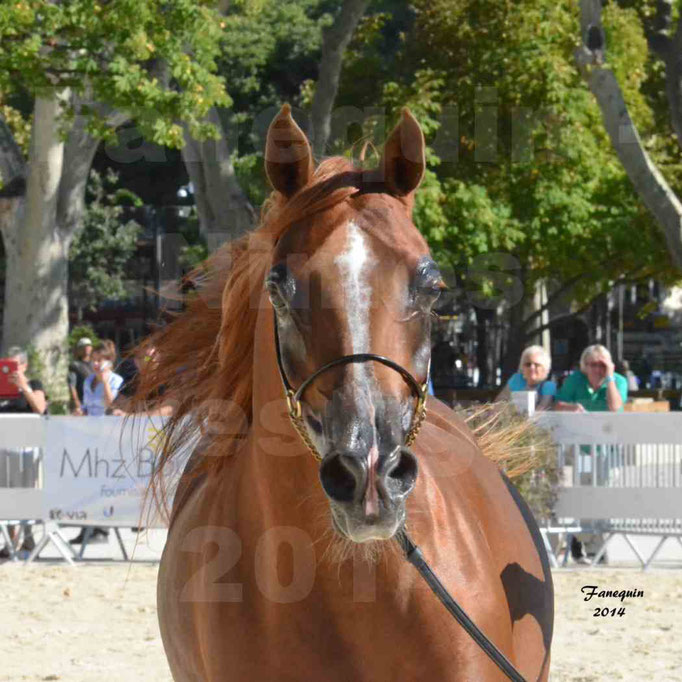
(533, 364)
(597, 364)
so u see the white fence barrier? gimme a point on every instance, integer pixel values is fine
(89, 471)
(622, 474)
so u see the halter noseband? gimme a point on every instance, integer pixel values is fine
(293, 395)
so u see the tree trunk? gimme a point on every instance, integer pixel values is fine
(38, 238)
(669, 50)
(224, 210)
(649, 183)
(516, 341)
(79, 151)
(485, 360)
(335, 40)
(36, 306)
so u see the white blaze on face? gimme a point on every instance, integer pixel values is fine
(353, 264)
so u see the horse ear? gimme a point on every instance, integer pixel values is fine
(288, 157)
(403, 161)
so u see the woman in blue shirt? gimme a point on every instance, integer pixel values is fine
(534, 368)
(101, 388)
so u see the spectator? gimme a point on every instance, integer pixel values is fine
(31, 396)
(595, 387)
(31, 399)
(102, 386)
(534, 367)
(79, 370)
(99, 392)
(130, 370)
(633, 381)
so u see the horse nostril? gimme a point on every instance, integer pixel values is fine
(402, 476)
(338, 479)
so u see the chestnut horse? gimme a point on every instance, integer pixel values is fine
(278, 567)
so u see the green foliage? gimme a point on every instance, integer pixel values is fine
(152, 58)
(18, 125)
(79, 332)
(271, 57)
(103, 247)
(192, 255)
(271, 51)
(535, 175)
(36, 364)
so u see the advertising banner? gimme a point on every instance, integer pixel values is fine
(97, 469)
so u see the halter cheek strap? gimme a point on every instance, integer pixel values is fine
(293, 396)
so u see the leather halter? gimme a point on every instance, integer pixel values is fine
(412, 552)
(293, 395)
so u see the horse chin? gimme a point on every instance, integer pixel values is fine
(359, 532)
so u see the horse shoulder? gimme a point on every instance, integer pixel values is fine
(481, 499)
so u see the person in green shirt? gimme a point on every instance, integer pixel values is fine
(596, 387)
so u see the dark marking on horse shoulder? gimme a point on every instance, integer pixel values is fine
(526, 593)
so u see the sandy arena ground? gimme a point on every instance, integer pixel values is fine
(98, 622)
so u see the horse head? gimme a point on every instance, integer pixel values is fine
(353, 286)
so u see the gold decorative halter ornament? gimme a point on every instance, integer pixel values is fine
(293, 396)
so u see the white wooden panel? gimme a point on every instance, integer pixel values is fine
(605, 427)
(21, 503)
(22, 431)
(623, 503)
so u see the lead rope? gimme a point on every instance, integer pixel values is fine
(414, 555)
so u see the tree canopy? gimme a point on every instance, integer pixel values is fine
(154, 60)
(103, 247)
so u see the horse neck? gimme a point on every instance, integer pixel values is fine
(283, 471)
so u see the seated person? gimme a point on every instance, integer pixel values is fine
(595, 387)
(31, 399)
(534, 367)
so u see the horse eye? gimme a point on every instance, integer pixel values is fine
(275, 296)
(430, 289)
(277, 285)
(428, 283)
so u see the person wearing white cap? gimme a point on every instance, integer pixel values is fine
(79, 370)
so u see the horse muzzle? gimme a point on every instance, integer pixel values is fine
(367, 492)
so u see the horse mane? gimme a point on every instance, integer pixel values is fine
(202, 362)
